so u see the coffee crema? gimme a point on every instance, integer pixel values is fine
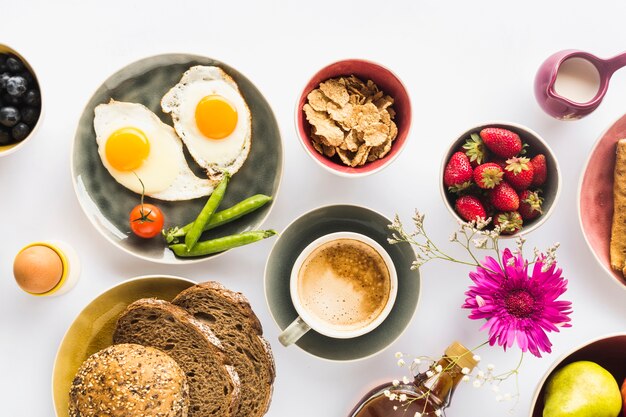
(345, 284)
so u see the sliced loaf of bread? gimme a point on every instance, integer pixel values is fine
(231, 318)
(213, 382)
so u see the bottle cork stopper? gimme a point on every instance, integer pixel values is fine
(463, 357)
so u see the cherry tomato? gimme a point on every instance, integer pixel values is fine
(146, 220)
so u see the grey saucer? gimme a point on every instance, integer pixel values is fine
(107, 204)
(322, 221)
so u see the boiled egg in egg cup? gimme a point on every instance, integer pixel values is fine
(49, 268)
(212, 118)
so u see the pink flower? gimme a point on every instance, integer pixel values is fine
(518, 307)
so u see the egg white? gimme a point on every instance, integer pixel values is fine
(164, 173)
(214, 155)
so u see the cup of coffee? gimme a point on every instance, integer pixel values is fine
(342, 285)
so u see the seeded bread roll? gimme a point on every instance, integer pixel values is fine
(213, 383)
(129, 380)
(231, 318)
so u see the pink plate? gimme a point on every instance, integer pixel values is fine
(595, 196)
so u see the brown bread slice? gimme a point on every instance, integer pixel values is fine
(618, 228)
(213, 383)
(230, 316)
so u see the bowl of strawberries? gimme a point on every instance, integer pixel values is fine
(503, 171)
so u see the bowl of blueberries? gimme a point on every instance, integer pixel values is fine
(20, 101)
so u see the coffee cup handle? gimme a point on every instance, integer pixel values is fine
(293, 332)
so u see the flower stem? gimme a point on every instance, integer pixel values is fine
(481, 345)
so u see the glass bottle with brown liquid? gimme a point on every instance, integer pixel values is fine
(426, 395)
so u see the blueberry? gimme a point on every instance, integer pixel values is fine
(30, 80)
(32, 98)
(30, 115)
(20, 131)
(4, 77)
(9, 116)
(16, 86)
(14, 64)
(10, 100)
(5, 137)
(3, 62)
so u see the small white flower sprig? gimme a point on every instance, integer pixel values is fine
(503, 307)
(429, 367)
(470, 235)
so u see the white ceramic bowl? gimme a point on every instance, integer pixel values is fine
(551, 189)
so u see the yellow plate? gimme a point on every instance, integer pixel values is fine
(93, 329)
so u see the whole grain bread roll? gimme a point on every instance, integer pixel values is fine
(129, 380)
(231, 318)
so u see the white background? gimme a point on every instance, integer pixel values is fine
(463, 63)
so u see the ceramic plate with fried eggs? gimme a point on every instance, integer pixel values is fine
(212, 118)
(102, 192)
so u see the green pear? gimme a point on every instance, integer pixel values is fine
(582, 389)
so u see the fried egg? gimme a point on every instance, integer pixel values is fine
(212, 118)
(133, 144)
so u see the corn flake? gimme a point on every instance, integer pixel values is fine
(318, 100)
(336, 91)
(324, 126)
(329, 151)
(352, 141)
(368, 115)
(375, 134)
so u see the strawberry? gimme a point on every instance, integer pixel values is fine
(475, 150)
(509, 222)
(486, 202)
(519, 173)
(541, 170)
(469, 208)
(488, 175)
(504, 198)
(457, 175)
(530, 204)
(502, 142)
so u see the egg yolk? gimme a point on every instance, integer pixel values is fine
(127, 148)
(216, 118)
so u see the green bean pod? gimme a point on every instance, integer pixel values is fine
(207, 211)
(221, 244)
(240, 209)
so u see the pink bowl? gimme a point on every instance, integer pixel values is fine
(388, 82)
(595, 196)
